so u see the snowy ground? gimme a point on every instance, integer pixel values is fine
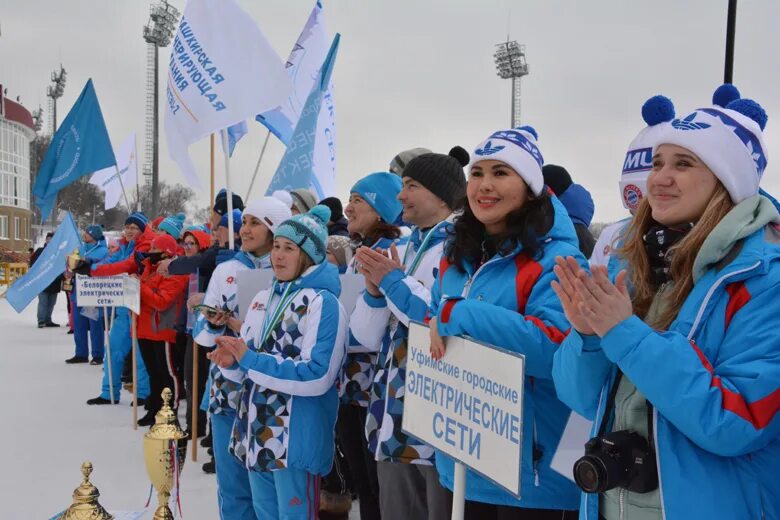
(48, 430)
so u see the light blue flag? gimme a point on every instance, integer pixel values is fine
(49, 265)
(81, 146)
(296, 168)
(234, 134)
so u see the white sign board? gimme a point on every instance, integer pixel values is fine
(109, 291)
(469, 404)
(253, 281)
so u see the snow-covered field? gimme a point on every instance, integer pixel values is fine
(48, 430)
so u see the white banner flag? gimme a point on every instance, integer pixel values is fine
(303, 65)
(107, 179)
(221, 71)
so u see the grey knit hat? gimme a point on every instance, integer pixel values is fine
(441, 174)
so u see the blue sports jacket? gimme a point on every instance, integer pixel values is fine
(713, 379)
(508, 302)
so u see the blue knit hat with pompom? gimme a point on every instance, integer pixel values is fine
(729, 140)
(309, 231)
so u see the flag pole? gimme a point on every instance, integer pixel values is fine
(231, 241)
(212, 169)
(122, 185)
(137, 183)
(108, 354)
(195, 401)
(257, 166)
(731, 22)
(134, 346)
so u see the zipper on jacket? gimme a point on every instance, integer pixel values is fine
(621, 496)
(249, 424)
(467, 285)
(537, 456)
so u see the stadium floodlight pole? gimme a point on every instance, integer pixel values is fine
(163, 18)
(510, 64)
(54, 92)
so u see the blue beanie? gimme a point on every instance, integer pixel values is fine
(197, 227)
(380, 190)
(139, 219)
(95, 231)
(309, 231)
(173, 225)
(236, 220)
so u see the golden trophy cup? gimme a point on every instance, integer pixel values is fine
(73, 262)
(161, 445)
(85, 500)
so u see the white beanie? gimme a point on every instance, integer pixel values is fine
(639, 157)
(517, 149)
(728, 140)
(270, 210)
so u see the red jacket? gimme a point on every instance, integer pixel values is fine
(161, 300)
(128, 265)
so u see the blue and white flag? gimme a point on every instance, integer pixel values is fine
(303, 65)
(49, 265)
(234, 134)
(108, 179)
(296, 169)
(80, 146)
(221, 71)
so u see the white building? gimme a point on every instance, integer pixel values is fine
(17, 130)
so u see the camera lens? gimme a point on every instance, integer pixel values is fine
(590, 474)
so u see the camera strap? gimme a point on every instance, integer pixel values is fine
(610, 406)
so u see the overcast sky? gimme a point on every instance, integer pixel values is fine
(421, 73)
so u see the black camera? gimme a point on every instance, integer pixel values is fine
(622, 458)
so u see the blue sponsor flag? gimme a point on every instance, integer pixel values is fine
(81, 146)
(296, 168)
(234, 134)
(49, 265)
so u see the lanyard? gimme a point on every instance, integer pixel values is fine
(421, 251)
(276, 315)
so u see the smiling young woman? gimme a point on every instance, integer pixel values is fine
(673, 352)
(494, 285)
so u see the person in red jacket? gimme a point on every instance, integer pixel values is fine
(161, 299)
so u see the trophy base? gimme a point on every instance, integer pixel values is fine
(163, 513)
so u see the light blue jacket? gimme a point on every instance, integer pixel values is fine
(289, 402)
(713, 379)
(508, 302)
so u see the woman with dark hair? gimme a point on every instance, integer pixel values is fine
(674, 353)
(495, 273)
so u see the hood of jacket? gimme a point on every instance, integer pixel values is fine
(562, 228)
(320, 277)
(578, 203)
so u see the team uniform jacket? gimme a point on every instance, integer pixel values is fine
(289, 402)
(222, 293)
(123, 260)
(381, 324)
(358, 374)
(508, 302)
(714, 382)
(161, 299)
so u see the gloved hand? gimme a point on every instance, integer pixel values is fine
(84, 268)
